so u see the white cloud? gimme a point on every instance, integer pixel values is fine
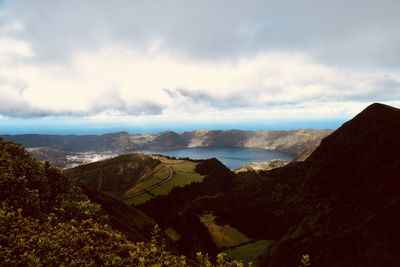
(117, 80)
(180, 60)
(358, 32)
(10, 47)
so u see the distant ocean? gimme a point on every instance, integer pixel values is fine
(59, 126)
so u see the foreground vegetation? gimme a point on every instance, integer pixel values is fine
(223, 235)
(234, 244)
(249, 252)
(45, 220)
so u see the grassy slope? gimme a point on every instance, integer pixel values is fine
(223, 235)
(132, 173)
(172, 233)
(117, 175)
(249, 252)
(161, 172)
(183, 174)
(179, 179)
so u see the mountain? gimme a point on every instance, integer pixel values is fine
(341, 206)
(261, 166)
(64, 150)
(117, 175)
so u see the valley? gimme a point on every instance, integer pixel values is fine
(199, 133)
(273, 215)
(145, 176)
(167, 178)
(340, 205)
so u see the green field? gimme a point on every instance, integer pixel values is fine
(184, 166)
(249, 252)
(169, 161)
(172, 233)
(180, 179)
(222, 235)
(146, 184)
(161, 172)
(183, 174)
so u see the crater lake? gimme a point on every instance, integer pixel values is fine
(232, 157)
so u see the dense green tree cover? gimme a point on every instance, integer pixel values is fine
(45, 220)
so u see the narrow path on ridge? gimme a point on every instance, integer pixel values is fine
(171, 174)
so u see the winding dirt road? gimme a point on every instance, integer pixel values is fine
(171, 174)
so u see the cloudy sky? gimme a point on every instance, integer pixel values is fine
(143, 65)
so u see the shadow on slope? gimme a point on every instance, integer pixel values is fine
(342, 205)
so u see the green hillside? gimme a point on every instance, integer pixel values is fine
(46, 220)
(167, 189)
(223, 235)
(116, 176)
(137, 178)
(249, 252)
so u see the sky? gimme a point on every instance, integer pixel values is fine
(146, 66)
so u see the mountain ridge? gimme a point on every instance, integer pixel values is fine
(341, 205)
(284, 141)
(72, 150)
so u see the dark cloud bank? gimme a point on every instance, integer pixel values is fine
(360, 33)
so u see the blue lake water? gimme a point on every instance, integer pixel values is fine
(232, 157)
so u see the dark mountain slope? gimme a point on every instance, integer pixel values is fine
(130, 221)
(342, 205)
